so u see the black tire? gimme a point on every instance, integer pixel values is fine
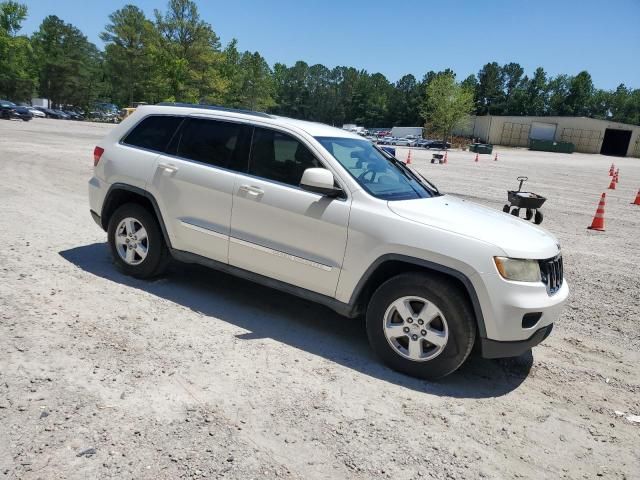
(157, 256)
(516, 212)
(453, 304)
(505, 209)
(528, 214)
(538, 218)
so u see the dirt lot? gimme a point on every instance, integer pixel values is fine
(200, 375)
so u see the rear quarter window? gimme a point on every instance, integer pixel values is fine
(153, 132)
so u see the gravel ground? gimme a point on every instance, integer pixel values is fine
(200, 375)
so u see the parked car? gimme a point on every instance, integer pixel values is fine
(390, 150)
(62, 115)
(385, 140)
(404, 142)
(36, 113)
(7, 105)
(49, 113)
(101, 116)
(6, 111)
(439, 144)
(324, 214)
(23, 113)
(73, 115)
(9, 110)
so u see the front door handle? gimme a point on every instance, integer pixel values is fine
(251, 190)
(168, 167)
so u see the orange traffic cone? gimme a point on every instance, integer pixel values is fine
(612, 169)
(409, 158)
(477, 158)
(496, 157)
(637, 200)
(598, 219)
(445, 157)
(612, 185)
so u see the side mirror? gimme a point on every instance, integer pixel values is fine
(319, 180)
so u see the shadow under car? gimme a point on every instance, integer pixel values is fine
(268, 313)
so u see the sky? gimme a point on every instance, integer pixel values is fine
(409, 36)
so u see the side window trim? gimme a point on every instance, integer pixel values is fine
(294, 187)
(178, 131)
(253, 132)
(197, 162)
(185, 117)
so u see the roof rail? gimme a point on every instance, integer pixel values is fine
(214, 107)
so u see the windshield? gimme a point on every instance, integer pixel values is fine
(380, 175)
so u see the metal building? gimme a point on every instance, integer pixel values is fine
(589, 135)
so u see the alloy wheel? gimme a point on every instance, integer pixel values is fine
(416, 328)
(132, 242)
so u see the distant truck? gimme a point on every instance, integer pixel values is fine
(352, 127)
(41, 102)
(403, 132)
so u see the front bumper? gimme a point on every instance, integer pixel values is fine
(497, 349)
(505, 304)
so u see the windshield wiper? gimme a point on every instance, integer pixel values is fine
(415, 175)
(407, 172)
(431, 185)
(403, 168)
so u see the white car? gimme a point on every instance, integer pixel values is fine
(36, 112)
(324, 214)
(404, 142)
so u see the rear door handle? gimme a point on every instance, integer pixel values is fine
(168, 167)
(251, 190)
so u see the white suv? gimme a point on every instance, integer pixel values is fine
(324, 214)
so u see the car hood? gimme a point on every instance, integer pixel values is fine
(516, 237)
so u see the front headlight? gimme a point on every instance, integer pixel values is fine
(518, 269)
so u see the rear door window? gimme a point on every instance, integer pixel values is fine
(280, 157)
(214, 142)
(153, 133)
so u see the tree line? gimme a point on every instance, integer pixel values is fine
(177, 56)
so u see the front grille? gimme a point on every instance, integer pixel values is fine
(552, 273)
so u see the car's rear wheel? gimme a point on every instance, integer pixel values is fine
(421, 325)
(136, 241)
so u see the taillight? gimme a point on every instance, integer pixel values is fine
(97, 153)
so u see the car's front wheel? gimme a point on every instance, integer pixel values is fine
(136, 241)
(421, 325)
